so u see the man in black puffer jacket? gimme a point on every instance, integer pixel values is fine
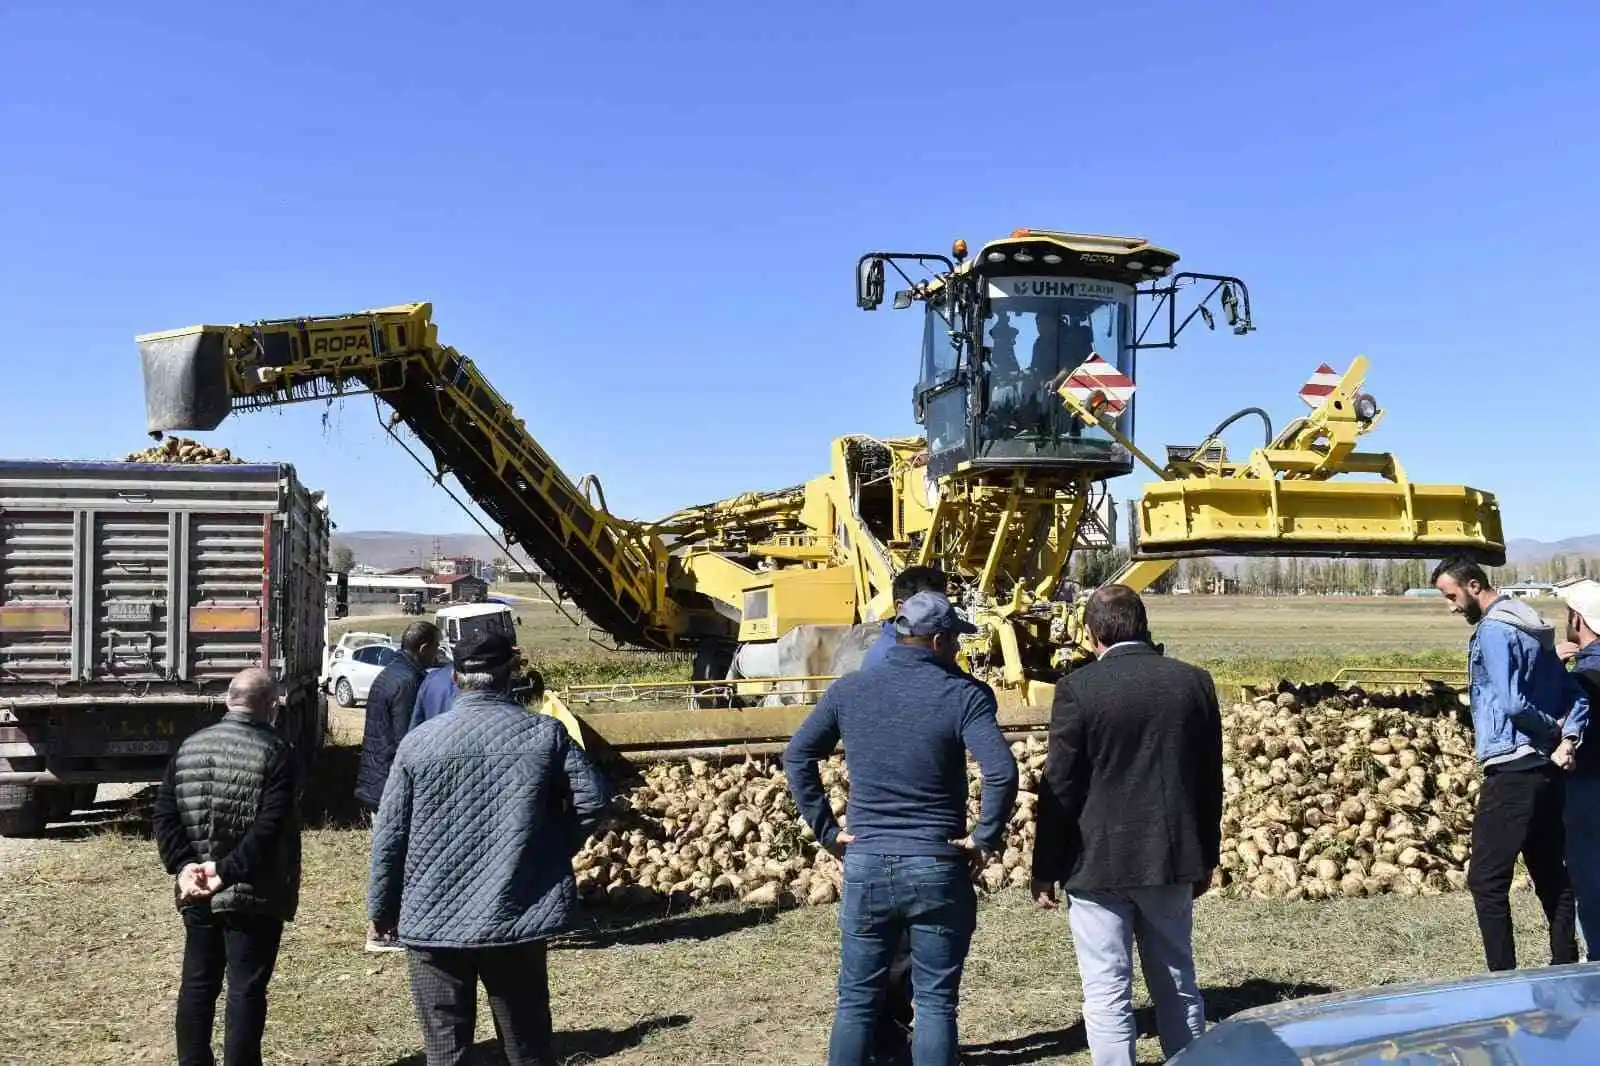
(226, 825)
(389, 705)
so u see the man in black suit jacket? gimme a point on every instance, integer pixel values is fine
(1130, 823)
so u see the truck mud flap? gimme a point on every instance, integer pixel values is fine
(185, 379)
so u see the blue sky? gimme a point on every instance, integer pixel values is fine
(641, 220)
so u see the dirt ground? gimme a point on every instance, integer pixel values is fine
(90, 944)
(90, 949)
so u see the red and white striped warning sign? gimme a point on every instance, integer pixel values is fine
(1323, 382)
(1095, 375)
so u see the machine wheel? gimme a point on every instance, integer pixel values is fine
(343, 694)
(23, 810)
(711, 663)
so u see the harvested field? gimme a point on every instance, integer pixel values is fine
(90, 945)
(90, 949)
(1239, 638)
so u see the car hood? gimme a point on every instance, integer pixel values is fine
(1544, 1017)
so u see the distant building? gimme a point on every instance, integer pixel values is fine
(461, 588)
(1528, 590)
(456, 566)
(387, 590)
(1417, 593)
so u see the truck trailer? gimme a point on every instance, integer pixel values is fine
(130, 594)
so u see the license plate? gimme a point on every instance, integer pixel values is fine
(130, 611)
(138, 747)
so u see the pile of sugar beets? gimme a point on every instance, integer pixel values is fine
(183, 450)
(1329, 793)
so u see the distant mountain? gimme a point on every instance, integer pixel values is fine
(1525, 551)
(391, 550)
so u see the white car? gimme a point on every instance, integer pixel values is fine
(348, 643)
(350, 675)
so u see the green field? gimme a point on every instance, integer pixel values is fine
(1240, 638)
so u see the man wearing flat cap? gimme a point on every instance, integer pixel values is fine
(1581, 757)
(472, 858)
(907, 725)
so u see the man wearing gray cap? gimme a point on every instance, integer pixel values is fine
(1581, 757)
(907, 725)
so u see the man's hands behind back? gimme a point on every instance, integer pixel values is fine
(198, 881)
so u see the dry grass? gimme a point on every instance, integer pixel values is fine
(90, 945)
(90, 950)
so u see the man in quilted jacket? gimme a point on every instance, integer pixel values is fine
(226, 823)
(472, 851)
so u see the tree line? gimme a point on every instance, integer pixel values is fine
(1323, 577)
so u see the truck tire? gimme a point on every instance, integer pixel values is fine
(311, 732)
(304, 726)
(23, 811)
(59, 802)
(64, 799)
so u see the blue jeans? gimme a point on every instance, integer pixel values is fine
(933, 900)
(1581, 812)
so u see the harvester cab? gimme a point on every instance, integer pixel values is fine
(1005, 328)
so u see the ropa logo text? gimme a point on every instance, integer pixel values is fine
(338, 343)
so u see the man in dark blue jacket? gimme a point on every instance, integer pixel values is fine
(895, 1014)
(390, 702)
(434, 696)
(907, 583)
(1580, 756)
(1524, 706)
(906, 725)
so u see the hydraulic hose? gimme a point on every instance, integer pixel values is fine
(1266, 421)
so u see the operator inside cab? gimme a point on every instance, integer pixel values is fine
(1021, 393)
(1061, 343)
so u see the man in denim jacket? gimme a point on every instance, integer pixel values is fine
(1526, 712)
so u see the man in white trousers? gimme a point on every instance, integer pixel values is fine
(1130, 824)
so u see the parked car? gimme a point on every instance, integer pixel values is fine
(351, 675)
(342, 649)
(1548, 1016)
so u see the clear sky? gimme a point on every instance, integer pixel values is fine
(641, 220)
